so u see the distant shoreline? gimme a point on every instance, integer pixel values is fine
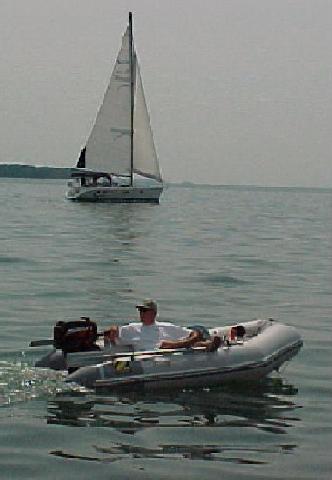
(15, 170)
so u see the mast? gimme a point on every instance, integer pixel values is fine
(131, 66)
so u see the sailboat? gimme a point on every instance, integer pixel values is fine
(119, 162)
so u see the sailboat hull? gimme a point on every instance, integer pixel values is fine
(115, 194)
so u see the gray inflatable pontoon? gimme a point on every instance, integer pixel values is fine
(264, 347)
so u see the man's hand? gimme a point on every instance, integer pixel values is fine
(184, 343)
(112, 334)
(169, 344)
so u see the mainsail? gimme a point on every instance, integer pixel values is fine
(108, 148)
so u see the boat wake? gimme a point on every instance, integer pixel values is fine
(20, 381)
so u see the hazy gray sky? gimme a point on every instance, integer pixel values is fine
(239, 91)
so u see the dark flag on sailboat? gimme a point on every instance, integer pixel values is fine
(81, 160)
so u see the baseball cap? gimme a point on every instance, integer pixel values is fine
(148, 304)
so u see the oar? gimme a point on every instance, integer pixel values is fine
(83, 359)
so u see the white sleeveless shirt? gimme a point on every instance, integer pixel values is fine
(149, 337)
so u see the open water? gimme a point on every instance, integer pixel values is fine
(208, 255)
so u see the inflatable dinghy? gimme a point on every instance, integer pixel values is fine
(250, 350)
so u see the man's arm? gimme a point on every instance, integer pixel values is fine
(183, 343)
(112, 334)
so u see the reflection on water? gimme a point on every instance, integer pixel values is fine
(188, 452)
(262, 407)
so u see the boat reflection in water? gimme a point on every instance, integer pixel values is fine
(239, 410)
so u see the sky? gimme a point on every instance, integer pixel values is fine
(239, 91)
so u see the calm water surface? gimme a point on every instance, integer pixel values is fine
(208, 255)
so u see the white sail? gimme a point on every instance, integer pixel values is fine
(121, 142)
(145, 160)
(108, 147)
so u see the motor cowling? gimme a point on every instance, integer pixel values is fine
(76, 336)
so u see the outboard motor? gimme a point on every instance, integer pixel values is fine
(68, 337)
(76, 336)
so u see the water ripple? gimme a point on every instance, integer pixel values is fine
(267, 407)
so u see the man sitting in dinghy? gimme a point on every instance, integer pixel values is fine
(151, 334)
